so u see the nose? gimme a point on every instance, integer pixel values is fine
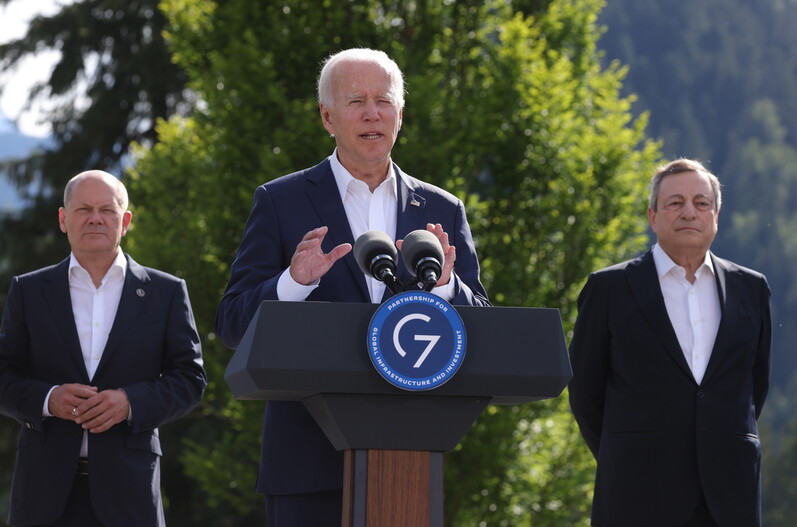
(370, 110)
(688, 210)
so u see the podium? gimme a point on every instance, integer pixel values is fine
(393, 440)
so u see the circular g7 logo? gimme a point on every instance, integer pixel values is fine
(416, 341)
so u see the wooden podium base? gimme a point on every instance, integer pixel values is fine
(392, 488)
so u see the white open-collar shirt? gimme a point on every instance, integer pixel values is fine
(694, 309)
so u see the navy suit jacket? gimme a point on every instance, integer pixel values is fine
(296, 455)
(153, 353)
(659, 438)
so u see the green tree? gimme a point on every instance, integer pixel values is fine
(508, 107)
(113, 79)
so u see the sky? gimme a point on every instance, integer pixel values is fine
(14, 19)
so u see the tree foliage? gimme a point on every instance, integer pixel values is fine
(113, 79)
(507, 107)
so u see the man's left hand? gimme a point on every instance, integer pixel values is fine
(449, 252)
(100, 412)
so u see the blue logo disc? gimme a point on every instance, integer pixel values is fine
(416, 341)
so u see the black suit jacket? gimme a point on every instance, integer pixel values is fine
(153, 353)
(659, 438)
(296, 455)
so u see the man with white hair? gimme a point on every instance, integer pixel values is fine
(297, 246)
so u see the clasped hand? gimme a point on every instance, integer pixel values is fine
(96, 411)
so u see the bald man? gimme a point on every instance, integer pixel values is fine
(96, 353)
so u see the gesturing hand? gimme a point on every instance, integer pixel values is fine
(309, 263)
(449, 252)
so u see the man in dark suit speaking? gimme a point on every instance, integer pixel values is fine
(96, 353)
(671, 361)
(297, 246)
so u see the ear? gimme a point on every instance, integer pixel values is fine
(62, 219)
(326, 118)
(126, 218)
(652, 218)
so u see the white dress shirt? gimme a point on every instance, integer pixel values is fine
(94, 310)
(694, 309)
(366, 211)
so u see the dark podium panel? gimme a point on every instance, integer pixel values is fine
(317, 353)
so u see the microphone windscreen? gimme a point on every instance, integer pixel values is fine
(418, 245)
(371, 244)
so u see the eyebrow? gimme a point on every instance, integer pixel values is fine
(100, 206)
(681, 196)
(352, 96)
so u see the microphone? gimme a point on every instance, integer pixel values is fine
(376, 254)
(423, 255)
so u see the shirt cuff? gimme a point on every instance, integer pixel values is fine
(46, 409)
(290, 290)
(446, 292)
(129, 406)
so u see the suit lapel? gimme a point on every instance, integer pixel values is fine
(325, 198)
(643, 281)
(55, 289)
(410, 210)
(134, 296)
(410, 207)
(728, 289)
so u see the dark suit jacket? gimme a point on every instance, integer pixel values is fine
(661, 439)
(296, 455)
(153, 353)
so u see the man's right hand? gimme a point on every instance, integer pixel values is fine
(65, 399)
(309, 263)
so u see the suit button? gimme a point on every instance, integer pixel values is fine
(28, 425)
(700, 395)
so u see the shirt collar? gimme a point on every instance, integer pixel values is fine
(120, 263)
(343, 177)
(664, 263)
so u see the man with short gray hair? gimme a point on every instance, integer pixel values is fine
(671, 361)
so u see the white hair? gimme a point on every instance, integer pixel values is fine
(372, 56)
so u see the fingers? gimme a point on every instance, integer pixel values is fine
(449, 252)
(309, 262)
(102, 411)
(65, 399)
(437, 230)
(338, 252)
(448, 265)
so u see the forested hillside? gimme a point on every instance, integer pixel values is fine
(719, 80)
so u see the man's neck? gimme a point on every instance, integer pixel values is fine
(689, 260)
(372, 175)
(97, 265)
